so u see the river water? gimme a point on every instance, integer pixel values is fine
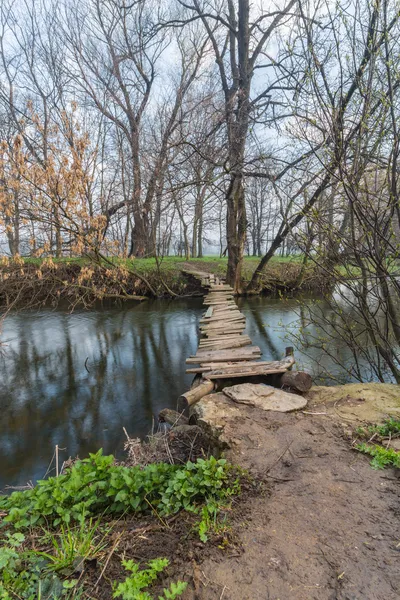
(77, 379)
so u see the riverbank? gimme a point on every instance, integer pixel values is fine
(324, 524)
(79, 281)
(311, 521)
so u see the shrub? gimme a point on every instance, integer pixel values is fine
(97, 486)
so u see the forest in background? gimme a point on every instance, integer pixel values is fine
(147, 128)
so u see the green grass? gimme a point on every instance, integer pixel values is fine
(150, 277)
(171, 265)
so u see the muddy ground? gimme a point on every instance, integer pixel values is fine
(317, 522)
(328, 527)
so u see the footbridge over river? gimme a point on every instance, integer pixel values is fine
(226, 353)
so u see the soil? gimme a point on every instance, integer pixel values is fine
(357, 402)
(316, 521)
(328, 528)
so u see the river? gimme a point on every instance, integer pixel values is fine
(77, 379)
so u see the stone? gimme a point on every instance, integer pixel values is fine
(211, 413)
(265, 397)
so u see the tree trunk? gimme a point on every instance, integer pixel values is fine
(200, 238)
(139, 235)
(235, 231)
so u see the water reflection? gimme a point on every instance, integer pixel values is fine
(135, 361)
(76, 379)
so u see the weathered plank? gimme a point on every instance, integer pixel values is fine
(221, 324)
(232, 315)
(209, 312)
(217, 332)
(224, 355)
(215, 366)
(227, 345)
(237, 326)
(250, 370)
(228, 308)
(221, 340)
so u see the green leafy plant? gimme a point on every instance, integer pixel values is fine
(134, 586)
(390, 427)
(19, 569)
(382, 457)
(97, 486)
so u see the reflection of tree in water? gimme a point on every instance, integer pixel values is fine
(136, 362)
(256, 316)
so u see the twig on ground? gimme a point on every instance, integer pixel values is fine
(279, 457)
(114, 547)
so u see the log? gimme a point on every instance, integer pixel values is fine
(296, 380)
(172, 417)
(204, 388)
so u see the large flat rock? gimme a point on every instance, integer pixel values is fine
(265, 397)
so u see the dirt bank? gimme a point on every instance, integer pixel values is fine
(326, 525)
(357, 402)
(34, 282)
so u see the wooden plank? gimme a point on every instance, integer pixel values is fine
(216, 333)
(232, 365)
(224, 338)
(221, 323)
(219, 317)
(224, 355)
(237, 326)
(209, 312)
(215, 341)
(227, 345)
(207, 367)
(219, 301)
(246, 370)
(229, 308)
(230, 314)
(218, 325)
(243, 373)
(198, 360)
(252, 350)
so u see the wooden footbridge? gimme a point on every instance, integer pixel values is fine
(225, 352)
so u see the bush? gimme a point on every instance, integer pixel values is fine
(97, 486)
